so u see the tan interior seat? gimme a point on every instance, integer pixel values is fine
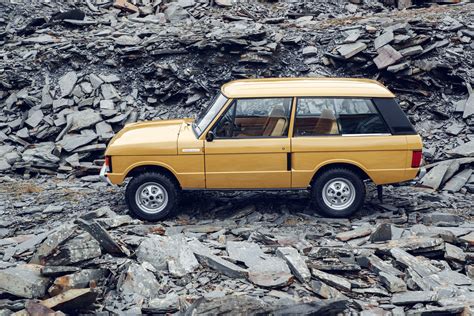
(326, 123)
(276, 123)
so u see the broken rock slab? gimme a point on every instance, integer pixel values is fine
(296, 263)
(56, 238)
(168, 253)
(67, 83)
(465, 150)
(387, 55)
(350, 50)
(205, 257)
(413, 297)
(264, 270)
(103, 237)
(362, 231)
(458, 181)
(333, 280)
(138, 280)
(24, 280)
(80, 279)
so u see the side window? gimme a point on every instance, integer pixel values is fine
(333, 116)
(255, 118)
(359, 116)
(315, 116)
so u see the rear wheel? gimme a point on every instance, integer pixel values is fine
(151, 196)
(338, 192)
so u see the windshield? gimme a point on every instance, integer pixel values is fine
(207, 114)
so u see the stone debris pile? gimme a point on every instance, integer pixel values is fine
(253, 255)
(72, 79)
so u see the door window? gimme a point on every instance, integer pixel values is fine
(333, 116)
(261, 117)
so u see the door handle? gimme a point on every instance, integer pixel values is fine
(288, 161)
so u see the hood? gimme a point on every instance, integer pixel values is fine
(146, 138)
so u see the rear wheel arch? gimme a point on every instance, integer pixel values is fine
(341, 165)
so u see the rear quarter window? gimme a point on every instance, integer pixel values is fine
(393, 115)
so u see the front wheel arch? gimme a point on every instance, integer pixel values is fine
(153, 169)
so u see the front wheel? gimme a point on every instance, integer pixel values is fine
(338, 192)
(151, 196)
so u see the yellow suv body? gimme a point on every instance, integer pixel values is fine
(280, 133)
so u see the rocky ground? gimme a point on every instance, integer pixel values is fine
(72, 76)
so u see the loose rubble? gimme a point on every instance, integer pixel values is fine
(72, 76)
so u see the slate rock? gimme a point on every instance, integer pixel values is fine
(168, 253)
(24, 280)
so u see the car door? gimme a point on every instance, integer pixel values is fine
(250, 146)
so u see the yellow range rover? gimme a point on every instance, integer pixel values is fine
(325, 135)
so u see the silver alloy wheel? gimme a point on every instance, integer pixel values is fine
(339, 193)
(151, 197)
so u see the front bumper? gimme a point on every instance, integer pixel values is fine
(103, 174)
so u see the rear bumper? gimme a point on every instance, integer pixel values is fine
(421, 173)
(103, 174)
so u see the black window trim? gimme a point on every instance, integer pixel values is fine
(255, 137)
(337, 121)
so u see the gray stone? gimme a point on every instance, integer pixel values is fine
(163, 305)
(83, 119)
(67, 83)
(362, 231)
(464, 150)
(102, 236)
(109, 92)
(435, 176)
(42, 39)
(137, 280)
(412, 50)
(264, 270)
(55, 238)
(399, 67)
(168, 253)
(34, 118)
(383, 39)
(55, 271)
(392, 283)
(310, 51)
(387, 56)
(469, 105)
(78, 249)
(95, 80)
(24, 280)
(437, 218)
(377, 265)
(333, 280)
(73, 141)
(454, 253)
(383, 232)
(323, 290)
(205, 257)
(126, 40)
(458, 181)
(107, 105)
(175, 13)
(349, 50)
(413, 297)
(296, 263)
(77, 280)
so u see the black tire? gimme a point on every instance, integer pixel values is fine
(336, 176)
(159, 180)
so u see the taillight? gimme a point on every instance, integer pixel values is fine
(416, 158)
(108, 163)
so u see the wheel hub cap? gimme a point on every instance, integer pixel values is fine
(151, 197)
(338, 193)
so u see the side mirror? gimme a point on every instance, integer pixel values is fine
(210, 136)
